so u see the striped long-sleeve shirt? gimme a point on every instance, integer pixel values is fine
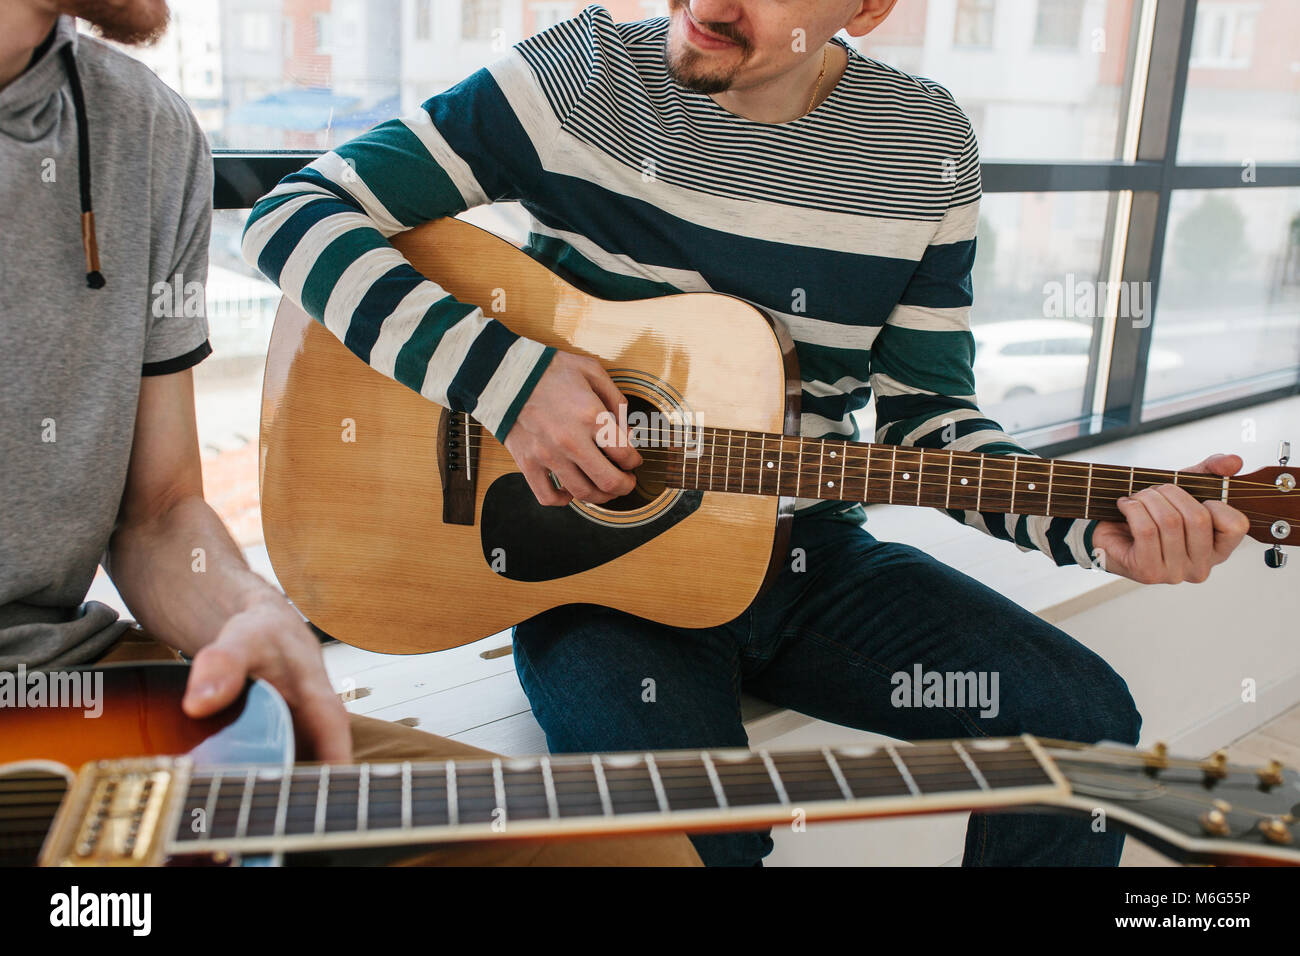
(853, 225)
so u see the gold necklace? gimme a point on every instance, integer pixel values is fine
(819, 83)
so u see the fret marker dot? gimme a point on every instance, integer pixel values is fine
(1031, 486)
(907, 475)
(963, 481)
(769, 464)
(830, 484)
(833, 454)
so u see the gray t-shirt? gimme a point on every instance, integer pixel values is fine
(71, 357)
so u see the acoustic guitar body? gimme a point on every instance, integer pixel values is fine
(356, 468)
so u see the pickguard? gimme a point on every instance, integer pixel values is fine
(526, 541)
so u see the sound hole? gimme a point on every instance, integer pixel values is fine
(651, 432)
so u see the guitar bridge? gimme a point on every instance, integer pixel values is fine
(459, 440)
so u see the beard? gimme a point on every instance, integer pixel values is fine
(132, 22)
(689, 67)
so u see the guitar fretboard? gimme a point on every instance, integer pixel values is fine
(245, 804)
(729, 460)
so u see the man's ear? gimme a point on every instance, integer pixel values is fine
(870, 14)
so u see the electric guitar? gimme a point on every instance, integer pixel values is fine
(155, 787)
(401, 527)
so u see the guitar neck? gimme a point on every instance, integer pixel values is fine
(730, 460)
(251, 810)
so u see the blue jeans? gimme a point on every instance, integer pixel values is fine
(827, 640)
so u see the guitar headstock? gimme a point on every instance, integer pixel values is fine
(1270, 498)
(1197, 811)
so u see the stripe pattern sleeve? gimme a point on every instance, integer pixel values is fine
(322, 236)
(923, 378)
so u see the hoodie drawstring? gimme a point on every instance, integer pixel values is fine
(94, 278)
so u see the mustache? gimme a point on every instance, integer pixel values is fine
(727, 31)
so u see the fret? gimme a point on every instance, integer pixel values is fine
(210, 807)
(1087, 494)
(1051, 473)
(1015, 469)
(1132, 474)
(935, 769)
(548, 779)
(282, 805)
(712, 771)
(406, 795)
(363, 797)
(745, 779)
(1010, 766)
(837, 773)
(920, 467)
(893, 466)
(631, 788)
(798, 471)
(660, 796)
(478, 795)
(576, 787)
(776, 777)
(498, 782)
(322, 798)
(821, 462)
(245, 804)
(979, 484)
(602, 787)
(726, 469)
(712, 445)
(780, 454)
(744, 460)
(1031, 496)
(902, 770)
(453, 796)
(807, 778)
(527, 789)
(686, 782)
(869, 772)
(947, 494)
(970, 765)
(699, 452)
(844, 464)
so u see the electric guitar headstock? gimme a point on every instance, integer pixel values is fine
(1194, 811)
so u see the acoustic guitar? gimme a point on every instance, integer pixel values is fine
(401, 527)
(155, 787)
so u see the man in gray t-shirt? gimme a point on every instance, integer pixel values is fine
(105, 211)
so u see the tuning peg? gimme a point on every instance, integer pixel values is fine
(1274, 557)
(1271, 775)
(1157, 758)
(1275, 830)
(1283, 452)
(1215, 822)
(1215, 766)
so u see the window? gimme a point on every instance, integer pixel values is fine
(1057, 23)
(255, 31)
(478, 18)
(1243, 84)
(323, 25)
(424, 19)
(1225, 37)
(547, 15)
(1229, 311)
(1028, 99)
(974, 23)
